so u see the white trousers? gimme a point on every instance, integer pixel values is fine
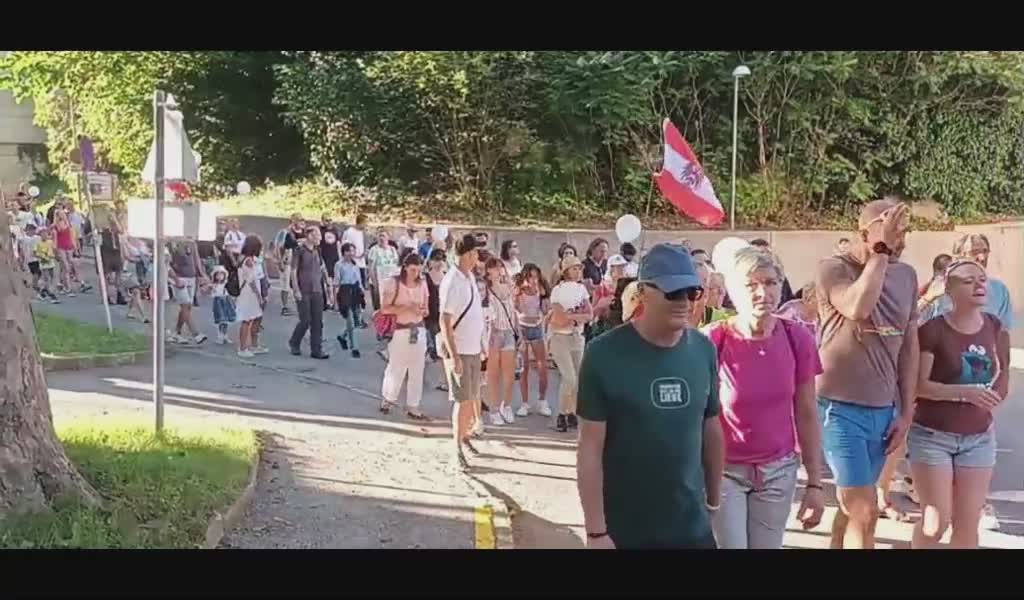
(405, 359)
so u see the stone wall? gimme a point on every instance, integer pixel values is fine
(799, 250)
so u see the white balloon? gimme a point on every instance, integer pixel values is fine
(724, 252)
(33, 192)
(439, 232)
(628, 228)
(243, 188)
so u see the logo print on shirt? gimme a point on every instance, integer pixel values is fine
(329, 238)
(670, 392)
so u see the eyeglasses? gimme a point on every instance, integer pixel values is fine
(692, 294)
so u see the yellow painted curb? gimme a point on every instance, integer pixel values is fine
(483, 518)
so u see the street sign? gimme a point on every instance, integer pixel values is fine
(101, 186)
(197, 221)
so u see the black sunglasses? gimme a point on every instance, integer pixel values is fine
(692, 294)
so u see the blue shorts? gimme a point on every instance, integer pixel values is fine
(533, 334)
(853, 437)
(936, 448)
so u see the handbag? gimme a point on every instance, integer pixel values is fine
(384, 324)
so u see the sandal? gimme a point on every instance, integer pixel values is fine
(385, 407)
(417, 416)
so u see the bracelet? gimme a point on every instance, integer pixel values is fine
(595, 536)
(712, 508)
(814, 486)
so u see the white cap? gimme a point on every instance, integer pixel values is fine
(617, 260)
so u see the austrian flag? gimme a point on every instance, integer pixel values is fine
(683, 182)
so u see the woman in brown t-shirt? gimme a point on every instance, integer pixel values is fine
(964, 360)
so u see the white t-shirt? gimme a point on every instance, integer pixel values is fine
(77, 221)
(408, 242)
(24, 219)
(233, 241)
(456, 292)
(28, 245)
(632, 270)
(358, 239)
(570, 295)
(514, 267)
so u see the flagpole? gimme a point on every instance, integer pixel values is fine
(740, 71)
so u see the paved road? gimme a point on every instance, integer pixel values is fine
(342, 442)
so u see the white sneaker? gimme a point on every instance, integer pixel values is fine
(524, 410)
(222, 339)
(496, 418)
(478, 428)
(544, 409)
(245, 354)
(199, 339)
(260, 350)
(507, 414)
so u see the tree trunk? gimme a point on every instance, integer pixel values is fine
(34, 470)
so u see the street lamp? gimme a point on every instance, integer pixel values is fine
(740, 71)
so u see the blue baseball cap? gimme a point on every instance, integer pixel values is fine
(669, 268)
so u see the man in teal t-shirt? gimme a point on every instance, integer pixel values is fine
(651, 451)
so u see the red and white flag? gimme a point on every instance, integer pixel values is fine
(683, 182)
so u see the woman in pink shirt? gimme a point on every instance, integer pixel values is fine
(766, 371)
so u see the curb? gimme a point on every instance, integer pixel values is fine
(57, 362)
(220, 523)
(493, 521)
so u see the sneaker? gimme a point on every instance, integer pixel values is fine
(355, 354)
(71, 294)
(496, 419)
(343, 342)
(221, 339)
(507, 414)
(173, 338)
(478, 429)
(55, 300)
(39, 298)
(260, 350)
(561, 424)
(245, 354)
(199, 339)
(524, 410)
(573, 422)
(544, 409)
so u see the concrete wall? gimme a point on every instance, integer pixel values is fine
(800, 251)
(16, 127)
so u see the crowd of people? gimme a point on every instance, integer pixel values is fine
(692, 434)
(699, 382)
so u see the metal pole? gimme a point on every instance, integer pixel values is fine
(735, 118)
(97, 256)
(159, 272)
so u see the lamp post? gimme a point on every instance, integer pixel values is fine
(740, 71)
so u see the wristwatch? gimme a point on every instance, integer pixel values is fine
(881, 248)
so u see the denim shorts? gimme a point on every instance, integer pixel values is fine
(853, 437)
(533, 334)
(503, 339)
(936, 448)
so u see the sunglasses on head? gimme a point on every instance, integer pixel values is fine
(691, 293)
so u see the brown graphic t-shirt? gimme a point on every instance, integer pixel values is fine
(860, 357)
(960, 358)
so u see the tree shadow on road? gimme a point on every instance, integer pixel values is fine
(293, 510)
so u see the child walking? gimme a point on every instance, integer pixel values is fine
(46, 256)
(351, 296)
(223, 308)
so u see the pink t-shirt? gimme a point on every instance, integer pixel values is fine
(757, 398)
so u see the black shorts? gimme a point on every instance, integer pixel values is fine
(33, 268)
(112, 264)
